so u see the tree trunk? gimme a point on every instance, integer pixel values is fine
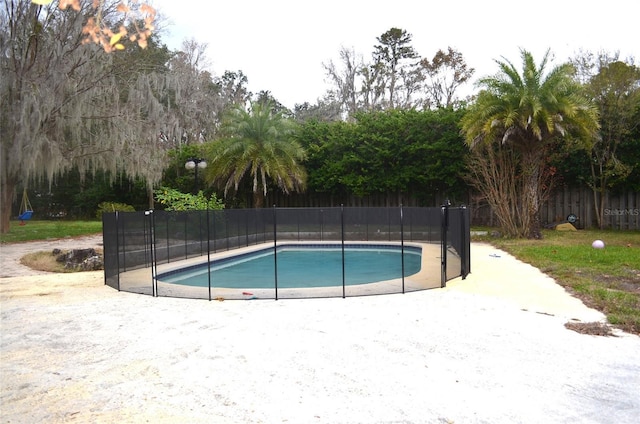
(258, 199)
(531, 195)
(596, 204)
(493, 171)
(598, 187)
(8, 189)
(535, 229)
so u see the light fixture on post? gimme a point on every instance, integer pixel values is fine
(195, 164)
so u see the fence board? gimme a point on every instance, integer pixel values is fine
(622, 211)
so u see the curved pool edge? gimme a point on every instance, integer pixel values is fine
(428, 277)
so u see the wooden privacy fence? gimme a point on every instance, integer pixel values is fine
(621, 211)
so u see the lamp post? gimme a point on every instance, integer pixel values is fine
(195, 163)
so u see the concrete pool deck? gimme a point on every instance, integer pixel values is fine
(491, 348)
(139, 280)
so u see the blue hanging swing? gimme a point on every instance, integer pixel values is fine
(26, 211)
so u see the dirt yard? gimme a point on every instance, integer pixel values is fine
(489, 349)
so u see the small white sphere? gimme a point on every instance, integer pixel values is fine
(598, 244)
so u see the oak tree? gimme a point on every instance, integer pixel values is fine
(68, 104)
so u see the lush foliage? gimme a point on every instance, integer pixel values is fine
(173, 200)
(397, 152)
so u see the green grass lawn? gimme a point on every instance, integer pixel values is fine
(605, 279)
(44, 230)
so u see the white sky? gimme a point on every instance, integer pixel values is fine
(280, 45)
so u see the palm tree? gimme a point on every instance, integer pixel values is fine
(258, 143)
(529, 112)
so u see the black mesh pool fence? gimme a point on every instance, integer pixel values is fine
(142, 248)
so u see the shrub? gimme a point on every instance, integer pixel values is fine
(174, 200)
(112, 207)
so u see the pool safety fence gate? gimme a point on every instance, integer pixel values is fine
(142, 248)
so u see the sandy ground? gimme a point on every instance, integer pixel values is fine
(489, 349)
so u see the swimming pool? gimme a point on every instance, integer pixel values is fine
(302, 266)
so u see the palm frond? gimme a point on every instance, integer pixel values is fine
(259, 146)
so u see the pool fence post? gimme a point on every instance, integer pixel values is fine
(444, 222)
(208, 250)
(275, 250)
(147, 243)
(402, 244)
(465, 241)
(342, 238)
(124, 242)
(117, 246)
(152, 239)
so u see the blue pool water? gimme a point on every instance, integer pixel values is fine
(301, 267)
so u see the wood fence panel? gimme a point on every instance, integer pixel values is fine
(622, 211)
